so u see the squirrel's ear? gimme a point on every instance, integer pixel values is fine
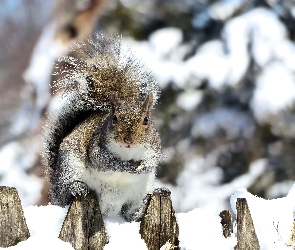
(114, 101)
(148, 103)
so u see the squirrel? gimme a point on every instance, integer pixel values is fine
(102, 137)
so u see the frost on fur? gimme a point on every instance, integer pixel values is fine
(102, 63)
(100, 67)
(102, 136)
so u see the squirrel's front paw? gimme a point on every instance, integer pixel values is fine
(79, 188)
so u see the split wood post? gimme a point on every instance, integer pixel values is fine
(246, 236)
(13, 226)
(83, 226)
(159, 224)
(226, 222)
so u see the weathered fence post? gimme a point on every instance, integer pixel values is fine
(159, 224)
(226, 222)
(13, 226)
(83, 226)
(292, 235)
(246, 236)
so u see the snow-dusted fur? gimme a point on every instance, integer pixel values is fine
(102, 136)
(117, 189)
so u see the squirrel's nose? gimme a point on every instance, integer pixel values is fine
(128, 141)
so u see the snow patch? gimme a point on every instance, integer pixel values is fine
(233, 122)
(124, 235)
(14, 162)
(189, 100)
(196, 229)
(164, 41)
(275, 91)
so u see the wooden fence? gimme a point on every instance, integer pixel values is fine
(84, 228)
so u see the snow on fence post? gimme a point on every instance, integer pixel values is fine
(246, 236)
(226, 222)
(83, 226)
(13, 226)
(159, 225)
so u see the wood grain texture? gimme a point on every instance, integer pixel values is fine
(13, 226)
(159, 224)
(246, 235)
(83, 226)
(226, 222)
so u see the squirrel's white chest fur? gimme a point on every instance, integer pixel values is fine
(117, 188)
(136, 153)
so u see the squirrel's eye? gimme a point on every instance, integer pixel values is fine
(145, 121)
(115, 119)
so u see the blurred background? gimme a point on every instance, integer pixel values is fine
(227, 73)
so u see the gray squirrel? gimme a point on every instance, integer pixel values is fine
(102, 136)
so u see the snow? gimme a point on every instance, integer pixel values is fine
(198, 228)
(164, 41)
(41, 242)
(121, 234)
(232, 121)
(206, 182)
(236, 36)
(267, 33)
(162, 68)
(279, 189)
(38, 74)
(222, 10)
(50, 215)
(209, 59)
(189, 99)
(275, 91)
(14, 162)
(221, 62)
(44, 224)
(272, 219)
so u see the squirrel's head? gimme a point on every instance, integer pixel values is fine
(130, 120)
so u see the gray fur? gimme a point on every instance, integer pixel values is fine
(85, 149)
